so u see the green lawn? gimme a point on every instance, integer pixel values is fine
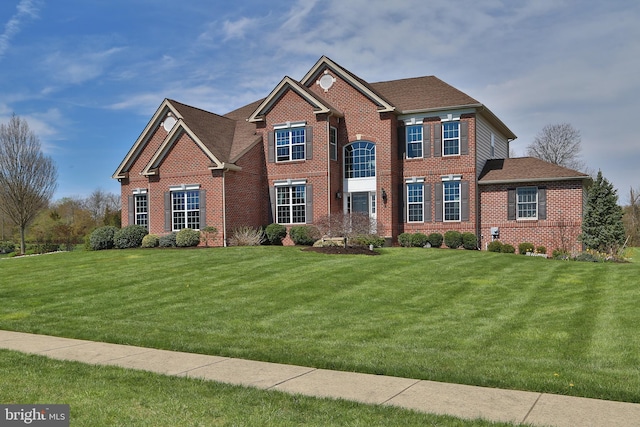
(110, 396)
(467, 317)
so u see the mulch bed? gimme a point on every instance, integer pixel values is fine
(338, 250)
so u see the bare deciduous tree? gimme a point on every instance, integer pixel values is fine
(631, 217)
(559, 144)
(27, 176)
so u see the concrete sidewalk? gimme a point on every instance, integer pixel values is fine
(463, 401)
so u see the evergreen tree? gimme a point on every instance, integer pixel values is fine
(602, 227)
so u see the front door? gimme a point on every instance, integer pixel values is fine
(360, 203)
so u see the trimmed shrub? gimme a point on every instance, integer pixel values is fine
(208, 234)
(418, 240)
(541, 250)
(435, 239)
(404, 239)
(469, 241)
(150, 241)
(129, 237)
(102, 237)
(187, 237)
(247, 236)
(495, 246)
(365, 240)
(168, 240)
(525, 247)
(508, 249)
(274, 233)
(304, 234)
(453, 239)
(7, 247)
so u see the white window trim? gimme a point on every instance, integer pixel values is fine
(139, 191)
(288, 125)
(289, 184)
(451, 178)
(333, 131)
(406, 140)
(450, 119)
(522, 218)
(414, 180)
(184, 187)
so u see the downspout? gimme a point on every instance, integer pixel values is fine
(224, 209)
(329, 166)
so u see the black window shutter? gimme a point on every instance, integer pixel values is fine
(439, 190)
(464, 201)
(437, 140)
(308, 134)
(167, 211)
(271, 150)
(511, 204)
(402, 205)
(426, 140)
(402, 140)
(542, 203)
(427, 202)
(272, 211)
(131, 208)
(203, 209)
(309, 211)
(464, 138)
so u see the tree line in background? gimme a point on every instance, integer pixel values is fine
(66, 222)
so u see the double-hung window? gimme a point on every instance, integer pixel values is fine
(290, 143)
(451, 138)
(185, 209)
(291, 203)
(451, 191)
(414, 141)
(527, 202)
(415, 202)
(141, 206)
(333, 143)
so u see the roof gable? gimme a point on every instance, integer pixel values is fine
(362, 86)
(525, 169)
(212, 133)
(319, 105)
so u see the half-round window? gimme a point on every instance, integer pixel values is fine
(360, 160)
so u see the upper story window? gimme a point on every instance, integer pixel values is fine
(451, 138)
(290, 144)
(333, 143)
(185, 209)
(414, 141)
(527, 203)
(360, 160)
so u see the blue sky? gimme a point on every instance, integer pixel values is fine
(88, 75)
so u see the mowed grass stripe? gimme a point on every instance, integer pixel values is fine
(460, 316)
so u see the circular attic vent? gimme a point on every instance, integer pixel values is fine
(169, 122)
(326, 81)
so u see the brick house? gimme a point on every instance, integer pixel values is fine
(416, 155)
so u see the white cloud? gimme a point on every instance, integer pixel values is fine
(237, 29)
(69, 67)
(25, 9)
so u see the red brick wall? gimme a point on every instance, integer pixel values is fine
(432, 168)
(187, 164)
(559, 231)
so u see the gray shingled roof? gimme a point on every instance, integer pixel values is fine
(523, 169)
